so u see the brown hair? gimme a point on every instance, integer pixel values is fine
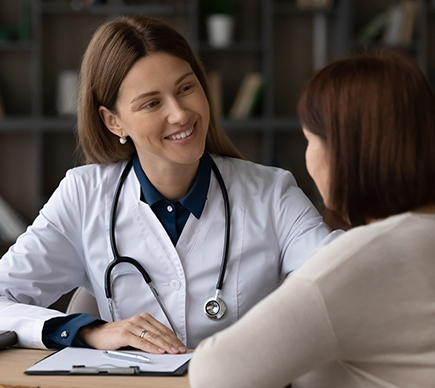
(115, 47)
(376, 115)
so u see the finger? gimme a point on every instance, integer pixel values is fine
(161, 339)
(159, 334)
(149, 342)
(152, 343)
(157, 326)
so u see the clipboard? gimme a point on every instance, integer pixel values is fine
(88, 362)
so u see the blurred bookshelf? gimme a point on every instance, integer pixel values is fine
(282, 40)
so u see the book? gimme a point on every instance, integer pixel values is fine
(247, 96)
(410, 12)
(11, 224)
(395, 17)
(401, 19)
(322, 4)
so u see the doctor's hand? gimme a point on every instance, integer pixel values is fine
(141, 331)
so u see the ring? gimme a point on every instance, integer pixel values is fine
(142, 333)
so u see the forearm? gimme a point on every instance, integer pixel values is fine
(283, 337)
(26, 320)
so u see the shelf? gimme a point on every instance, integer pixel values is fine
(29, 124)
(16, 46)
(292, 10)
(107, 10)
(287, 124)
(267, 36)
(68, 124)
(235, 47)
(262, 124)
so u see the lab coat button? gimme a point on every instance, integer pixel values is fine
(175, 285)
(169, 208)
(64, 334)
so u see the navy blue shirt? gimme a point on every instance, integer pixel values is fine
(173, 215)
(60, 332)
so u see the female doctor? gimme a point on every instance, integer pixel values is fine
(174, 234)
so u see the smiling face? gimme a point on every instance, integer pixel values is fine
(162, 107)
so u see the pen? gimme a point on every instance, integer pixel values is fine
(126, 356)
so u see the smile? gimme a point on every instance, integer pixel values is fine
(181, 135)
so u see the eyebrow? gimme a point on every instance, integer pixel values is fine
(153, 93)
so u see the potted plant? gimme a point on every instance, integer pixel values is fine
(220, 21)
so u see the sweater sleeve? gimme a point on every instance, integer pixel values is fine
(283, 337)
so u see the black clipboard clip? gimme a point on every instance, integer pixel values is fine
(98, 370)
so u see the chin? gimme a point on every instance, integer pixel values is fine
(189, 159)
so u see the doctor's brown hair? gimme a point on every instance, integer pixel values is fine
(376, 115)
(115, 47)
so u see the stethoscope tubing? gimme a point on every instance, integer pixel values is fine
(224, 261)
(118, 259)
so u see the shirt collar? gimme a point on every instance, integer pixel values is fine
(149, 193)
(195, 199)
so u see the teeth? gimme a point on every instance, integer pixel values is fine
(181, 135)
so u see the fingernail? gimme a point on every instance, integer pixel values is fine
(175, 350)
(161, 350)
(183, 349)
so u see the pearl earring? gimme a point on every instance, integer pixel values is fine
(122, 139)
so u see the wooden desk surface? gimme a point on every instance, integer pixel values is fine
(13, 363)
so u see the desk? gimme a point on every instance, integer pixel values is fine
(13, 363)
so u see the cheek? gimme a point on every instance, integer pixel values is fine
(309, 160)
(317, 166)
(205, 112)
(202, 105)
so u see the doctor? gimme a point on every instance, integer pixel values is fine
(164, 199)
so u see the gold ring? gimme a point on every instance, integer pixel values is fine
(142, 333)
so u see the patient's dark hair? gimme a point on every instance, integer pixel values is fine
(376, 115)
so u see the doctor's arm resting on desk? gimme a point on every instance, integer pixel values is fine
(360, 312)
(167, 226)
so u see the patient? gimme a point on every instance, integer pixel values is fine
(360, 312)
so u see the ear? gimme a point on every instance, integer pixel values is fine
(110, 120)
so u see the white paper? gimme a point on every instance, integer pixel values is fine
(66, 358)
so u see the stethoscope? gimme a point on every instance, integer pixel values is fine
(214, 308)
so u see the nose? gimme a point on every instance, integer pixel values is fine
(177, 113)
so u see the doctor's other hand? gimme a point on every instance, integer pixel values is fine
(141, 331)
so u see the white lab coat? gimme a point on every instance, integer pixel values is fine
(274, 228)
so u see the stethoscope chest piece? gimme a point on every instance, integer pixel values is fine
(215, 308)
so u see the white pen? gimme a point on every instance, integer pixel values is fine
(126, 356)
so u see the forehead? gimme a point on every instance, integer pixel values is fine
(153, 73)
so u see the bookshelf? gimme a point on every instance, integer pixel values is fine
(273, 37)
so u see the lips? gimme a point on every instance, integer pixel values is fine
(181, 135)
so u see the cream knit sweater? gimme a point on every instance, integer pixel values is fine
(359, 313)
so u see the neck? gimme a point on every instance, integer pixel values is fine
(174, 181)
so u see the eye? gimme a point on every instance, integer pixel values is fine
(151, 104)
(186, 89)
